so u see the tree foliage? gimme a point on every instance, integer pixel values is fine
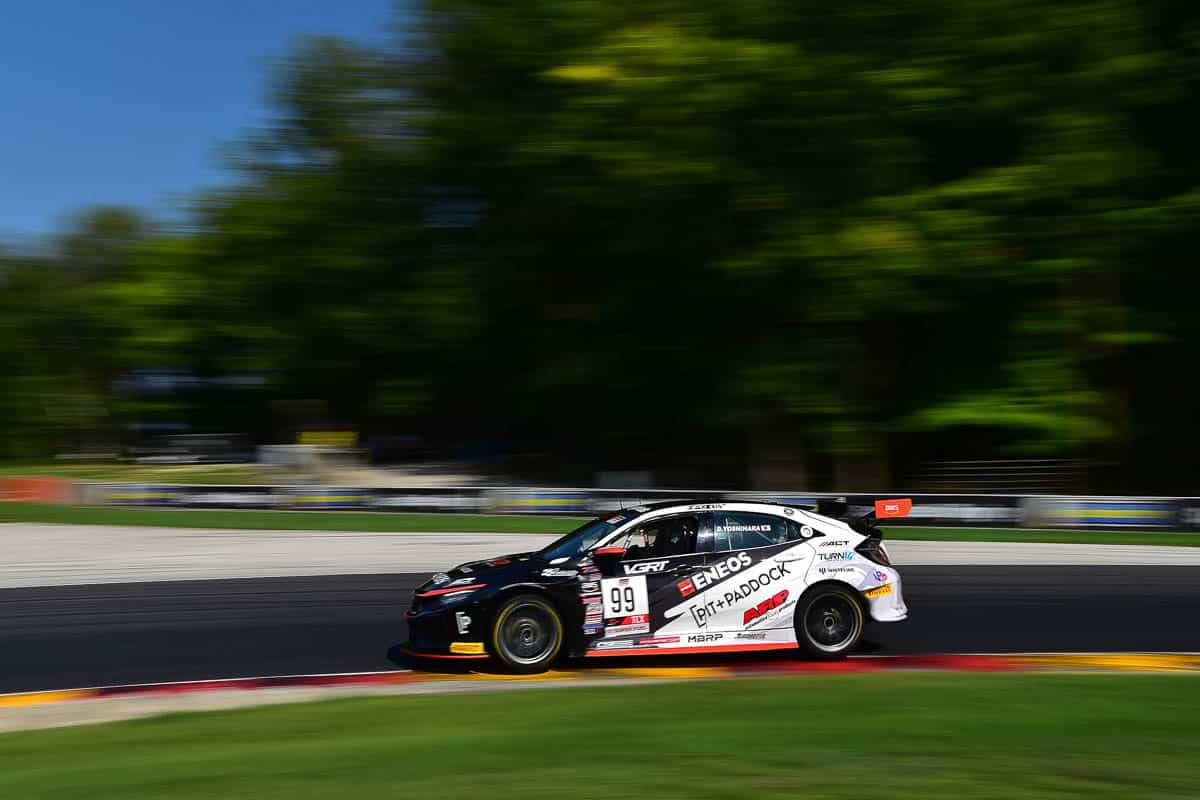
(700, 237)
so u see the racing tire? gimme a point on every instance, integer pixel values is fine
(527, 634)
(829, 622)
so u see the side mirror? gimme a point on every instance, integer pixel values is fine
(608, 560)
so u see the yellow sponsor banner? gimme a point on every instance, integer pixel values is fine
(467, 648)
(329, 438)
(887, 588)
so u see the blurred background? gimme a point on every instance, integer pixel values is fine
(933, 246)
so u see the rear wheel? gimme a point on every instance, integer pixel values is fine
(527, 634)
(829, 622)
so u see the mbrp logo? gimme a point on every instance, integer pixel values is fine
(705, 637)
(644, 567)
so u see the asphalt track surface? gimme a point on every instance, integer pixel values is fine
(75, 636)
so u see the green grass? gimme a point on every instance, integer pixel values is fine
(284, 520)
(224, 474)
(930, 736)
(1182, 539)
(493, 523)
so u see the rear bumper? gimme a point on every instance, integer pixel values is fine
(889, 607)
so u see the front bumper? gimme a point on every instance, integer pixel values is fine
(446, 631)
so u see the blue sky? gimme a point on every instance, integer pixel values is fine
(127, 101)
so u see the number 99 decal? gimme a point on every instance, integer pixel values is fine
(624, 596)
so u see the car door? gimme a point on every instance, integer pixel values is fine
(655, 575)
(765, 559)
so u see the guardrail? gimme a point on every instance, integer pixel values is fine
(929, 510)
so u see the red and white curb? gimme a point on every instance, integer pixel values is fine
(1023, 662)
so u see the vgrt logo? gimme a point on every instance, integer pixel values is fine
(644, 567)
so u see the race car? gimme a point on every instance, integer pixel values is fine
(668, 578)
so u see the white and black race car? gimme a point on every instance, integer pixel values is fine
(669, 578)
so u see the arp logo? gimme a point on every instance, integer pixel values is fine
(770, 604)
(644, 567)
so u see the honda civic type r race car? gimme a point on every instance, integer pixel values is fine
(668, 578)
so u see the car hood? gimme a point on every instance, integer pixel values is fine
(488, 570)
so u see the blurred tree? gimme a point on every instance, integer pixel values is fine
(805, 244)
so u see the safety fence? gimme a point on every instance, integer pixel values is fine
(929, 510)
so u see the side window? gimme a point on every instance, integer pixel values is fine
(668, 536)
(737, 530)
(797, 532)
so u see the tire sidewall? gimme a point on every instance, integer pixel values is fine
(505, 609)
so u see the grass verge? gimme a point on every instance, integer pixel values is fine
(284, 520)
(225, 474)
(920, 735)
(495, 523)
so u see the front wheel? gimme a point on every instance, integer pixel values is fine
(829, 622)
(527, 634)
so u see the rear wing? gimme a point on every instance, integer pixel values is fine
(886, 509)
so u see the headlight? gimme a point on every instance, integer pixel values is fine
(450, 594)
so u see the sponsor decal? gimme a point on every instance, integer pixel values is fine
(659, 640)
(463, 621)
(554, 572)
(701, 613)
(837, 570)
(706, 507)
(617, 520)
(720, 571)
(705, 637)
(743, 528)
(881, 591)
(835, 543)
(463, 581)
(589, 587)
(773, 602)
(627, 626)
(592, 628)
(686, 587)
(644, 567)
(467, 648)
(744, 635)
(845, 555)
(880, 575)
(439, 579)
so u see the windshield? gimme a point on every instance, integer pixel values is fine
(582, 538)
